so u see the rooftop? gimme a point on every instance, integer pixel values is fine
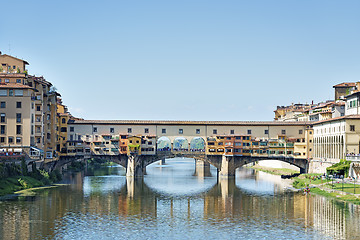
(15, 85)
(170, 122)
(345, 84)
(338, 118)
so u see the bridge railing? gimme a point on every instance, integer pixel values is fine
(353, 158)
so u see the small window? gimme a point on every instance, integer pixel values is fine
(2, 129)
(11, 91)
(18, 80)
(283, 131)
(129, 130)
(181, 131)
(2, 118)
(72, 129)
(3, 105)
(266, 131)
(7, 80)
(18, 117)
(19, 92)
(300, 131)
(163, 131)
(249, 131)
(38, 108)
(63, 120)
(95, 129)
(352, 128)
(10, 140)
(18, 104)
(2, 139)
(18, 129)
(232, 131)
(3, 92)
(197, 131)
(112, 130)
(146, 130)
(214, 131)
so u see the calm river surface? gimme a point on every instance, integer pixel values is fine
(176, 201)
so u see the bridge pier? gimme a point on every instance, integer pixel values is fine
(227, 168)
(202, 168)
(135, 167)
(162, 161)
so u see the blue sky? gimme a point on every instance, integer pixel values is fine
(186, 60)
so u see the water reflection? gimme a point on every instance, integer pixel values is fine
(172, 202)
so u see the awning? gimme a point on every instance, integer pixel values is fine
(19, 150)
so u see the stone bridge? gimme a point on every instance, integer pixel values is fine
(226, 165)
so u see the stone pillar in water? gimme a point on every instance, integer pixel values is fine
(162, 161)
(227, 167)
(202, 168)
(135, 167)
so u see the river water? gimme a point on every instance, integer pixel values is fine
(178, 200)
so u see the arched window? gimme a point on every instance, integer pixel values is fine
(63, 120)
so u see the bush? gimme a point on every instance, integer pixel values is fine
(298, 184)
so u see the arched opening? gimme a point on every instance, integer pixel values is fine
(197, 144)
(180, 144)
(163, 144)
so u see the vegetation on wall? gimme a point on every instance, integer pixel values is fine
(340, 168)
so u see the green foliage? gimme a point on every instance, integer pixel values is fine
(341, 168)
(298, 184)
(24, 169)
(23, 183)
(18, 70)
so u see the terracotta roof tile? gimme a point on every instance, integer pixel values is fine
(345, 84)
(169, 122)
(15, 85)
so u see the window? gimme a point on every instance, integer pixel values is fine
(232, 131)
(352, 128)
(197, 131)
(14, 67)
(39, 109)
(283, 131)
(38, 140)
(249, 131)
(3, 105)
(214, 131)
(112, 130)
(266, 131)
(63, 120)
(18, 117)
(146, 130)
(2, 129)
(11, 91)
(2, 139)
(95, 129)
(18, 140)
(63, 129)
(7, 81)
(163, 131)
(18, 80)
(129, 130)
(300, 131)
(3, 92)
(19, 92)
(10, 140)
(18, 129)
(18, 104)
(71, 137)
(181, 131)
(2, 118)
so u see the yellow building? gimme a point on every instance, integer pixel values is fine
(63, 117)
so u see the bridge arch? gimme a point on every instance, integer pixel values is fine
(180, 144)
(163, 144)
(197, 144)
